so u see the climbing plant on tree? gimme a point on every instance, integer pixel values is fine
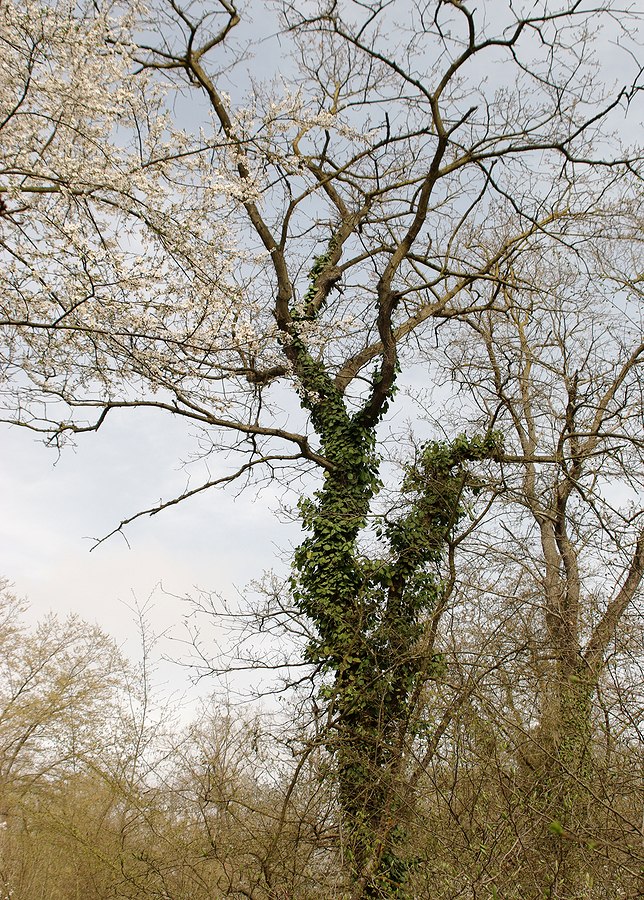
(159, 220)
(369, 615)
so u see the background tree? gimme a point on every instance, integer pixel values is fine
(59, 702)
(558, 372)
(308, 239)
(103, 796)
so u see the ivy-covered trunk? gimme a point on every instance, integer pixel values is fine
(366, 637)
(334, 587)
(368, 613)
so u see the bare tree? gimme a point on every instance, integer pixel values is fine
(556, 367)
(103, 794)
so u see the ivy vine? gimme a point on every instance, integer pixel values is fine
(369, 612)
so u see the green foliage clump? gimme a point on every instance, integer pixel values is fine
(319, 264)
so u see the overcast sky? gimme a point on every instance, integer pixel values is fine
(53, 507)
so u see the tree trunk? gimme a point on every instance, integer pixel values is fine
(560, 791)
